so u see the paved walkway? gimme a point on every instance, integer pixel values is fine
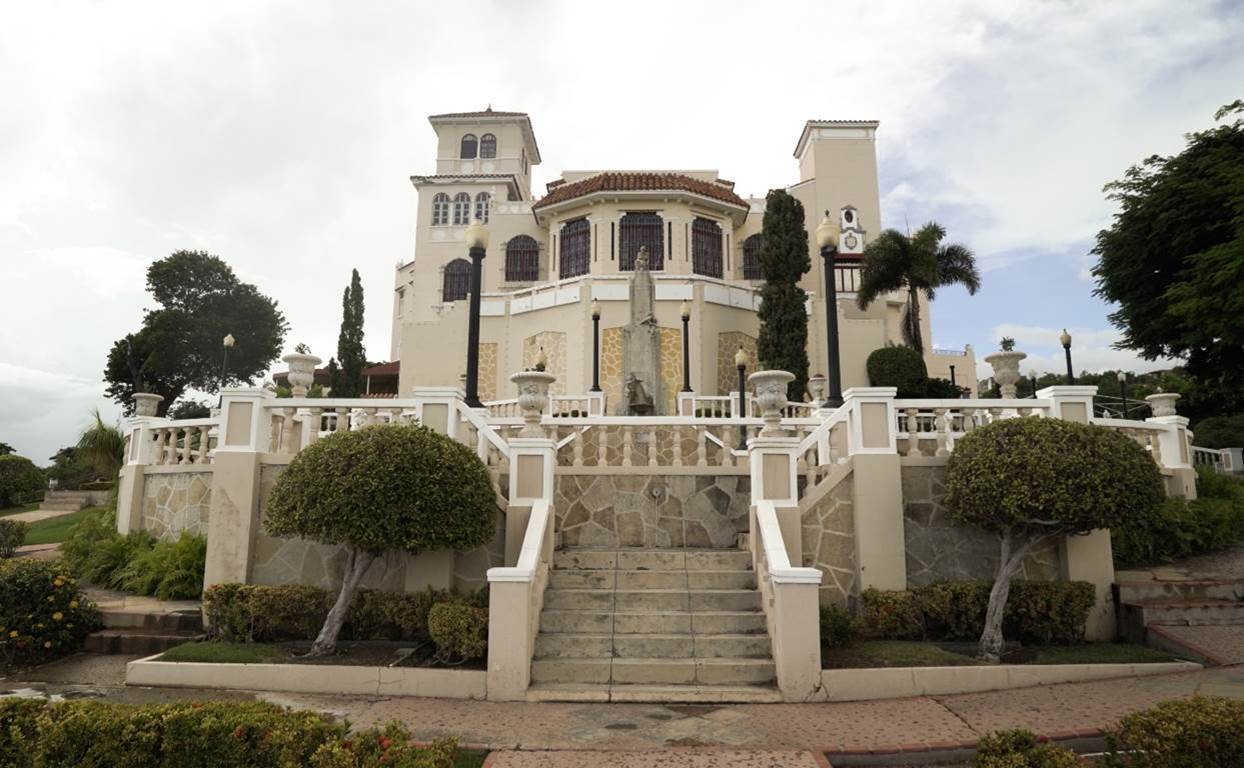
(118, 601)
(36, 515)
(1227, 565)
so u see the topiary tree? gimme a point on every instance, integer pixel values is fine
(1029, 480)
(783, 341)
(901, 367)
(18, 477)
(385, 487)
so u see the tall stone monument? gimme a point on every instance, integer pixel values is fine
(642, 390)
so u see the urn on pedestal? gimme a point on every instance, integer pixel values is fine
(145, 403)
(533, 398)
(770, 389)
(301, 372)
(1006, 368)
(1163, 403)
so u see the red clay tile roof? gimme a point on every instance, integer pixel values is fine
(383, 369)
(635, 182)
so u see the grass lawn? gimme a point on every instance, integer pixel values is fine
(225, 653)
(469, 758)
(55, 529)
(19, 508)
(904, 653)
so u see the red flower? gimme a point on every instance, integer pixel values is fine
(385, 742)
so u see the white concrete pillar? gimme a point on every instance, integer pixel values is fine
(234, 519)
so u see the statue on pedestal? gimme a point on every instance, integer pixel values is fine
(641, 347)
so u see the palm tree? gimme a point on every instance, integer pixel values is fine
(103, 447)
(915, 263)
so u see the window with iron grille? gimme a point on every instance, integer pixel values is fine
(457, 282)
(487, 146)
(440, 209)
(706, 247)
(462, 208)
(639, 229)
(469, 145)
(483, 202)
(522, 260)
(576, 241)
(751, 257)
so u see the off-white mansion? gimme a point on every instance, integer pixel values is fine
(550, 258)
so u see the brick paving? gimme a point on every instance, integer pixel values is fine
(1223, 643)
(734, 758)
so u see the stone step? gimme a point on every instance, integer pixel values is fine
(642, 579)
(653, 622)
(1136, 617)
(654, 671)
(170, 621)
(713, 600)
(652, 559)
(136, 642)
(1171, 591)
(651, 646)
(68, 505)
(670, 694)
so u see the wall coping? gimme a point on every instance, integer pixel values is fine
(923, 461)
(178, 469)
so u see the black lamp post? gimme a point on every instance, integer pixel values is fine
(1123, 390)
(952, 377)
(1033, 378)
(1065, 338)
(685, 310)
(227, 344)
(595, 345)
(477, 243)
(740, 362)
(827, 239)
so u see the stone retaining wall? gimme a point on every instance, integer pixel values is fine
(829, 543)
(176, 503)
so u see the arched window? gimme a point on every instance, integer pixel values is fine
(576, 242)
(469, 146)
(457, 280)
(483, 201)
(638, 229)
(706, 247)
(487, 145)
(440, 209)
(462, 208)
(522, 260)
(751, 256)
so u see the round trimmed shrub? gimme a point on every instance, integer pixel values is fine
(1020, 749)
(43, 614)
(460, 631)
(19, 478)
(898, 366)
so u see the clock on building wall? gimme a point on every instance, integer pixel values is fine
(852, 240)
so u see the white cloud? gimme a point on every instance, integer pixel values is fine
(1092, 349)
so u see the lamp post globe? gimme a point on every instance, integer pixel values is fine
(1064, 338)
(827, 240)
(477, 245)
(226, 344)
(1123, 391)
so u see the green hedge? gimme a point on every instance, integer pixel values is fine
(43, 613)
(243, 613)
(1020, 749)
(37, 734)
(459, 630)
(136, 562)
(1202, 732)
(898, 366)
(1041, 612)
(1181, 528)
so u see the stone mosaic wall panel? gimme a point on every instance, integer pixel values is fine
(671, 366)
(939, 549)
(554, 344)
(727, 345)
(634, 510)
(611, 366)
(829, 543)
(488, 371)
(177, 503)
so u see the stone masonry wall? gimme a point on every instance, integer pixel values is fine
(939, 549)
(176, 503)
(298, 561)
(829, 543)
(644, 510)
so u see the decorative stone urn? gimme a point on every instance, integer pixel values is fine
(1006, 370)
(1163, 403)
(301, 372)
(146, 403)
(816, 387)
(533, 398)
(770, 389)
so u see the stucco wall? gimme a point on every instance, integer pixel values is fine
(939, 549)
(829, 543)
(642, 510)
(298, 561)
(176, 503)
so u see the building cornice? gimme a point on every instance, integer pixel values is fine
(835, 129)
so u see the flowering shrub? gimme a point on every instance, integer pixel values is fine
(42, 612)
(389, 747)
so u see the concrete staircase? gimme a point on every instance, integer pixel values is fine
(64, 501)
(1159, 613)
(652, 625)
(144, 633)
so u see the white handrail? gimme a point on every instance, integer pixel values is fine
(839, 416)
(779, 567)
(482, 427)
(533, 543)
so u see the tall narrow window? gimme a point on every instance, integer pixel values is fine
(706, 247)
(639, 229)
(457, 282)
(751, 256)
(575, 247)
(487, 146)
(462, 208)
(440, 209)
(522, 260)
(469, 147)
(483, 201)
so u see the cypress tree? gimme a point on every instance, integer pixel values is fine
(352, 359)
(784, 260)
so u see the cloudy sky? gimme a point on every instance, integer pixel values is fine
(281, 135)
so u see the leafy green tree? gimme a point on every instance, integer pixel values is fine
(19, 479)
(1220, 431)
(916, 263)
(783, 342)
(6, 449)
(1173, 259)
(69, 470)
(190, 409)
(379, 489)
(348, 381)
(179, 345)
(1030, 480)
